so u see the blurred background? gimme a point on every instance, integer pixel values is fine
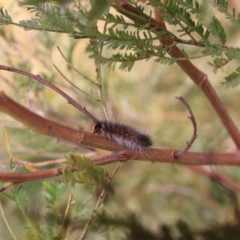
(144, 97)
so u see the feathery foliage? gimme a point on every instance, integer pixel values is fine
(86, 172)
(233, 79)
(118, 40)
(19, 197)
(133, 40)
(53, 193)
(5, 18)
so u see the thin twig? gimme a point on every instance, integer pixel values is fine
(26, 177)
(228, 185)
(160, 155)
(48, 162)
(6, 222)
(53, 87)
(217, 177)
(16, 178)
(62, 231)
(179, 154)
(114, 157)
(75, 69)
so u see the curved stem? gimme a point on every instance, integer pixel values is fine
(53, 87)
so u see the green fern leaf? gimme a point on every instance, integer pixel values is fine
(217, 30)
(219, 62)
(87, 173)
(4, 17)
(222, 6)
(213, 50)
(233, 53)
(53, 191)
(35, 232)
(19, 197)
(117, 20)
(233, 79)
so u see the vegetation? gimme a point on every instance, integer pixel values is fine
(119, 60)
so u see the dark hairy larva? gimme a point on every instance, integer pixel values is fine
(124, 135)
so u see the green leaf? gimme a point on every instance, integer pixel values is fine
(233, 79)
(233, 53)
(53, 191)
(4, 17)
(87, 173)
(19, 197)
(217, 30)
(222, 6)
(219, 62)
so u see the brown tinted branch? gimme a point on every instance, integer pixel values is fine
(197, 76)
(46, 127)
(40, 79)
(179, 154)
(118, 156)
(32, 176)
(217, 177)
(188, 158)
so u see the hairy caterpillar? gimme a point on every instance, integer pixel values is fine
(124, 135)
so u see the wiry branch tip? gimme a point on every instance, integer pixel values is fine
(179, 154)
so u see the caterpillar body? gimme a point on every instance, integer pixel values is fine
(124, 135)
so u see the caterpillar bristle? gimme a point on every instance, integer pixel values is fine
(124, 135)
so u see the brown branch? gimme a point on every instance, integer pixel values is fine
(121, 156)
(118, 156)
(46, 127)
(16, 178)
(179, 154)
(218, 177)
(50, 128)
(25, 177)
(53, 87)
(197, 76)
(230, 187)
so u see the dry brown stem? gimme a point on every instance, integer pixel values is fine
(179, 154)
(47, 127)
(217, 177)
(42, 80)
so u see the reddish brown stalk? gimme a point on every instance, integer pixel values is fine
(25, 177)
(44, 126)
(121, 156)
(197, 76)
(218, 177)
(179, 154)
(118, 156)
(47, 127)
(53, 87)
